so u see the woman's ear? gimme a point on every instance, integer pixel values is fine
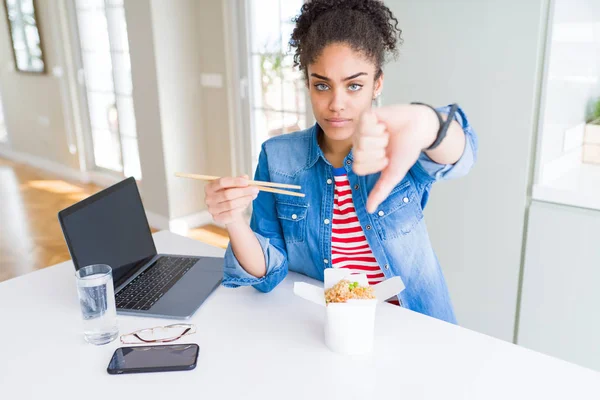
(378, 87)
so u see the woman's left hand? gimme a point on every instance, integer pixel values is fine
(389, 140)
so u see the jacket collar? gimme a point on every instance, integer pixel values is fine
(315, 151)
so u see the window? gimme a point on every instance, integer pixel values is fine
(106, 65)
(25, 35)
(278, 98)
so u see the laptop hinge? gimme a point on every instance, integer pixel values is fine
(132, 271)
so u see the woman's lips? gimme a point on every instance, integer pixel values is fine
(338, 122)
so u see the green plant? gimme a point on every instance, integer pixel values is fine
(270, 70)
(594, 112)
(270, 64)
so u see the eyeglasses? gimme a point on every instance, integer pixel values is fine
(159, 334)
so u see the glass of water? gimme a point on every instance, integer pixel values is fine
(97, 301)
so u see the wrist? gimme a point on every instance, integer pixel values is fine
(429, 125)
(236, 225)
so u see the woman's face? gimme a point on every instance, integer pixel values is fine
(342, 85)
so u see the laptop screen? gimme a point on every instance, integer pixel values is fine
(109, 227)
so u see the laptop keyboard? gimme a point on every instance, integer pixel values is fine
(149, 286)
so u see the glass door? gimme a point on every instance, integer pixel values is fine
(105, 72)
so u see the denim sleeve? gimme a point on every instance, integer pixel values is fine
(267, 229)
(428, 171)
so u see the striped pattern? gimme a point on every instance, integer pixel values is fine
(349, 246)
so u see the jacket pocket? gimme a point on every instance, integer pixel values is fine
(399, 213)
(292, 217)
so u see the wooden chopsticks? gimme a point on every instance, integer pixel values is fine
(270, 187)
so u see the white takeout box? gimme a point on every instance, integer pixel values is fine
(350, 326)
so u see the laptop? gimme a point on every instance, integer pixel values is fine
(110, 227)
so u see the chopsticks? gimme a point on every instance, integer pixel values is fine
(262, 186)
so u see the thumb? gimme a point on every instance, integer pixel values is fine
(384, 186)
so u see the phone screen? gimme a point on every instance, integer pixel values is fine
(173, 357)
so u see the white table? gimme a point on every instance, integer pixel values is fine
(264, 346)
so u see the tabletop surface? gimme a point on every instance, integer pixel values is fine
(262, 346)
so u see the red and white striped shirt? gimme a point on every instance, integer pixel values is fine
(349, 246)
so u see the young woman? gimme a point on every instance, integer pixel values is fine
(366, 173)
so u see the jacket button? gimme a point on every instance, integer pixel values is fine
(386, 266)
(368, 227)
(381, 213)
(356, 187)
(329, 181)
(405, 199)
(348, 162)
(294, 216)
(326, 221)
(326, 261)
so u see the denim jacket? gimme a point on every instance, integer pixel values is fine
(295, 233)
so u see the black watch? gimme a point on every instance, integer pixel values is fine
(444, 125)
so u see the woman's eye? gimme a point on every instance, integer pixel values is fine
(354, 87)
(321, 86)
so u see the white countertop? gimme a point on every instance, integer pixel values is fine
(578, 187)
(265, 346)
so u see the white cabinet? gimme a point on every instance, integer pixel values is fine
(560, 307)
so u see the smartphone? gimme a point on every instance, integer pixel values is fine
(160, 358)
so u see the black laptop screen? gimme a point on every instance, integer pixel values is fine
(109, 227)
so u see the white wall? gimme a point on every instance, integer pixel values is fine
(183, 126)
(34, 105)
(217, 122)
(485, 55)
(176, 43)
(146, 107)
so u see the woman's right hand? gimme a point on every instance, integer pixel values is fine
(227, 198)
